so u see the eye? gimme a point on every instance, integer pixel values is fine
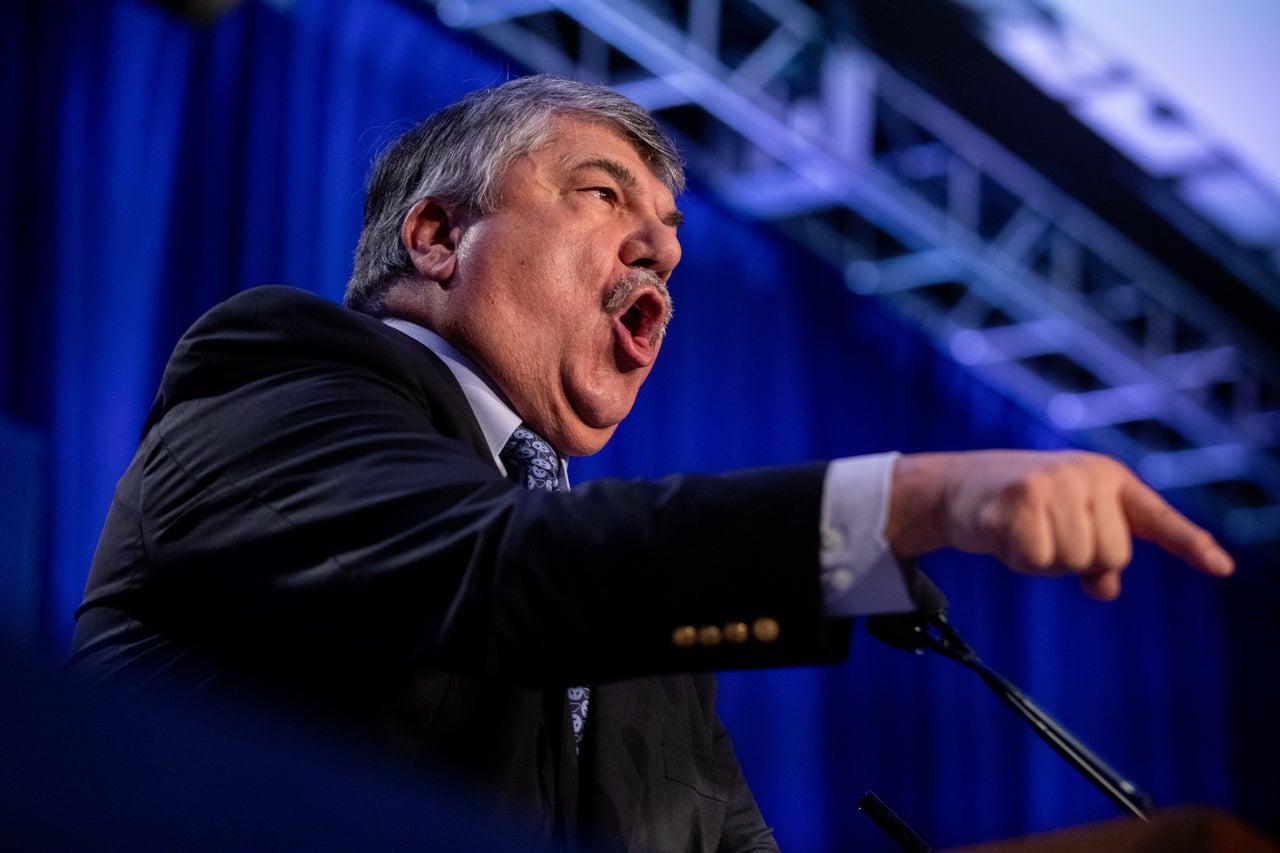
(603, 193)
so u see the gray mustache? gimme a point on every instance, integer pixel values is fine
(624, 289)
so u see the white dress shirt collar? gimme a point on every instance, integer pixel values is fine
(496, 417)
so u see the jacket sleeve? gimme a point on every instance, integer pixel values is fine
(310, 483)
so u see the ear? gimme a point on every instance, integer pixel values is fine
(429, 233)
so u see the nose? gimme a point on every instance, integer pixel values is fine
(653, 246)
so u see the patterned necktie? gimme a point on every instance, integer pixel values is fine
(531, 461)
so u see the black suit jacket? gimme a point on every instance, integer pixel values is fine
(313, 514)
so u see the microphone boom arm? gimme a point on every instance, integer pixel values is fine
(911, 632)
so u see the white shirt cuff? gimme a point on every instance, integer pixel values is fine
(860, 575)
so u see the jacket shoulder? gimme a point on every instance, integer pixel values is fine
(272, 332)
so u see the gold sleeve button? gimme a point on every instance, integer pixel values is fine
(684, 637)
(709, 635)
(765, 630)
(737, 632)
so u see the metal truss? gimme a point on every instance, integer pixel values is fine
(1197, 185)
(793, 122)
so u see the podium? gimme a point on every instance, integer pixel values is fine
(1191, 829)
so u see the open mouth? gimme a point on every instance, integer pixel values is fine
(644, 318)
(641, 327)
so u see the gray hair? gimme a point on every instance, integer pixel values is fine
(460, 153)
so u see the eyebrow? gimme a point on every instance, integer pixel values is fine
(627, 180)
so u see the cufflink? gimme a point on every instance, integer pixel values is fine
(839, 580)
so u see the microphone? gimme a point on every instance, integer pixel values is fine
(908, 631)
(926, 628)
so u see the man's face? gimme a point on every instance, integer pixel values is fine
(560, 293)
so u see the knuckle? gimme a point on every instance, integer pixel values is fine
(1026, 495)
(1077, 561)
(1033, 556)
(1112, 562)
(1119, 553)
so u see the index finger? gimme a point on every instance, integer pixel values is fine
(1151, 518)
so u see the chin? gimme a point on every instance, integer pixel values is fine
(594, 417)
(588, 441)
(589, 436)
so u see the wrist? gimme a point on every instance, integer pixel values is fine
(916, 522)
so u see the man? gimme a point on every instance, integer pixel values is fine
(320, 510)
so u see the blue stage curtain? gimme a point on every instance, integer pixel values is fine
(152, 168)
